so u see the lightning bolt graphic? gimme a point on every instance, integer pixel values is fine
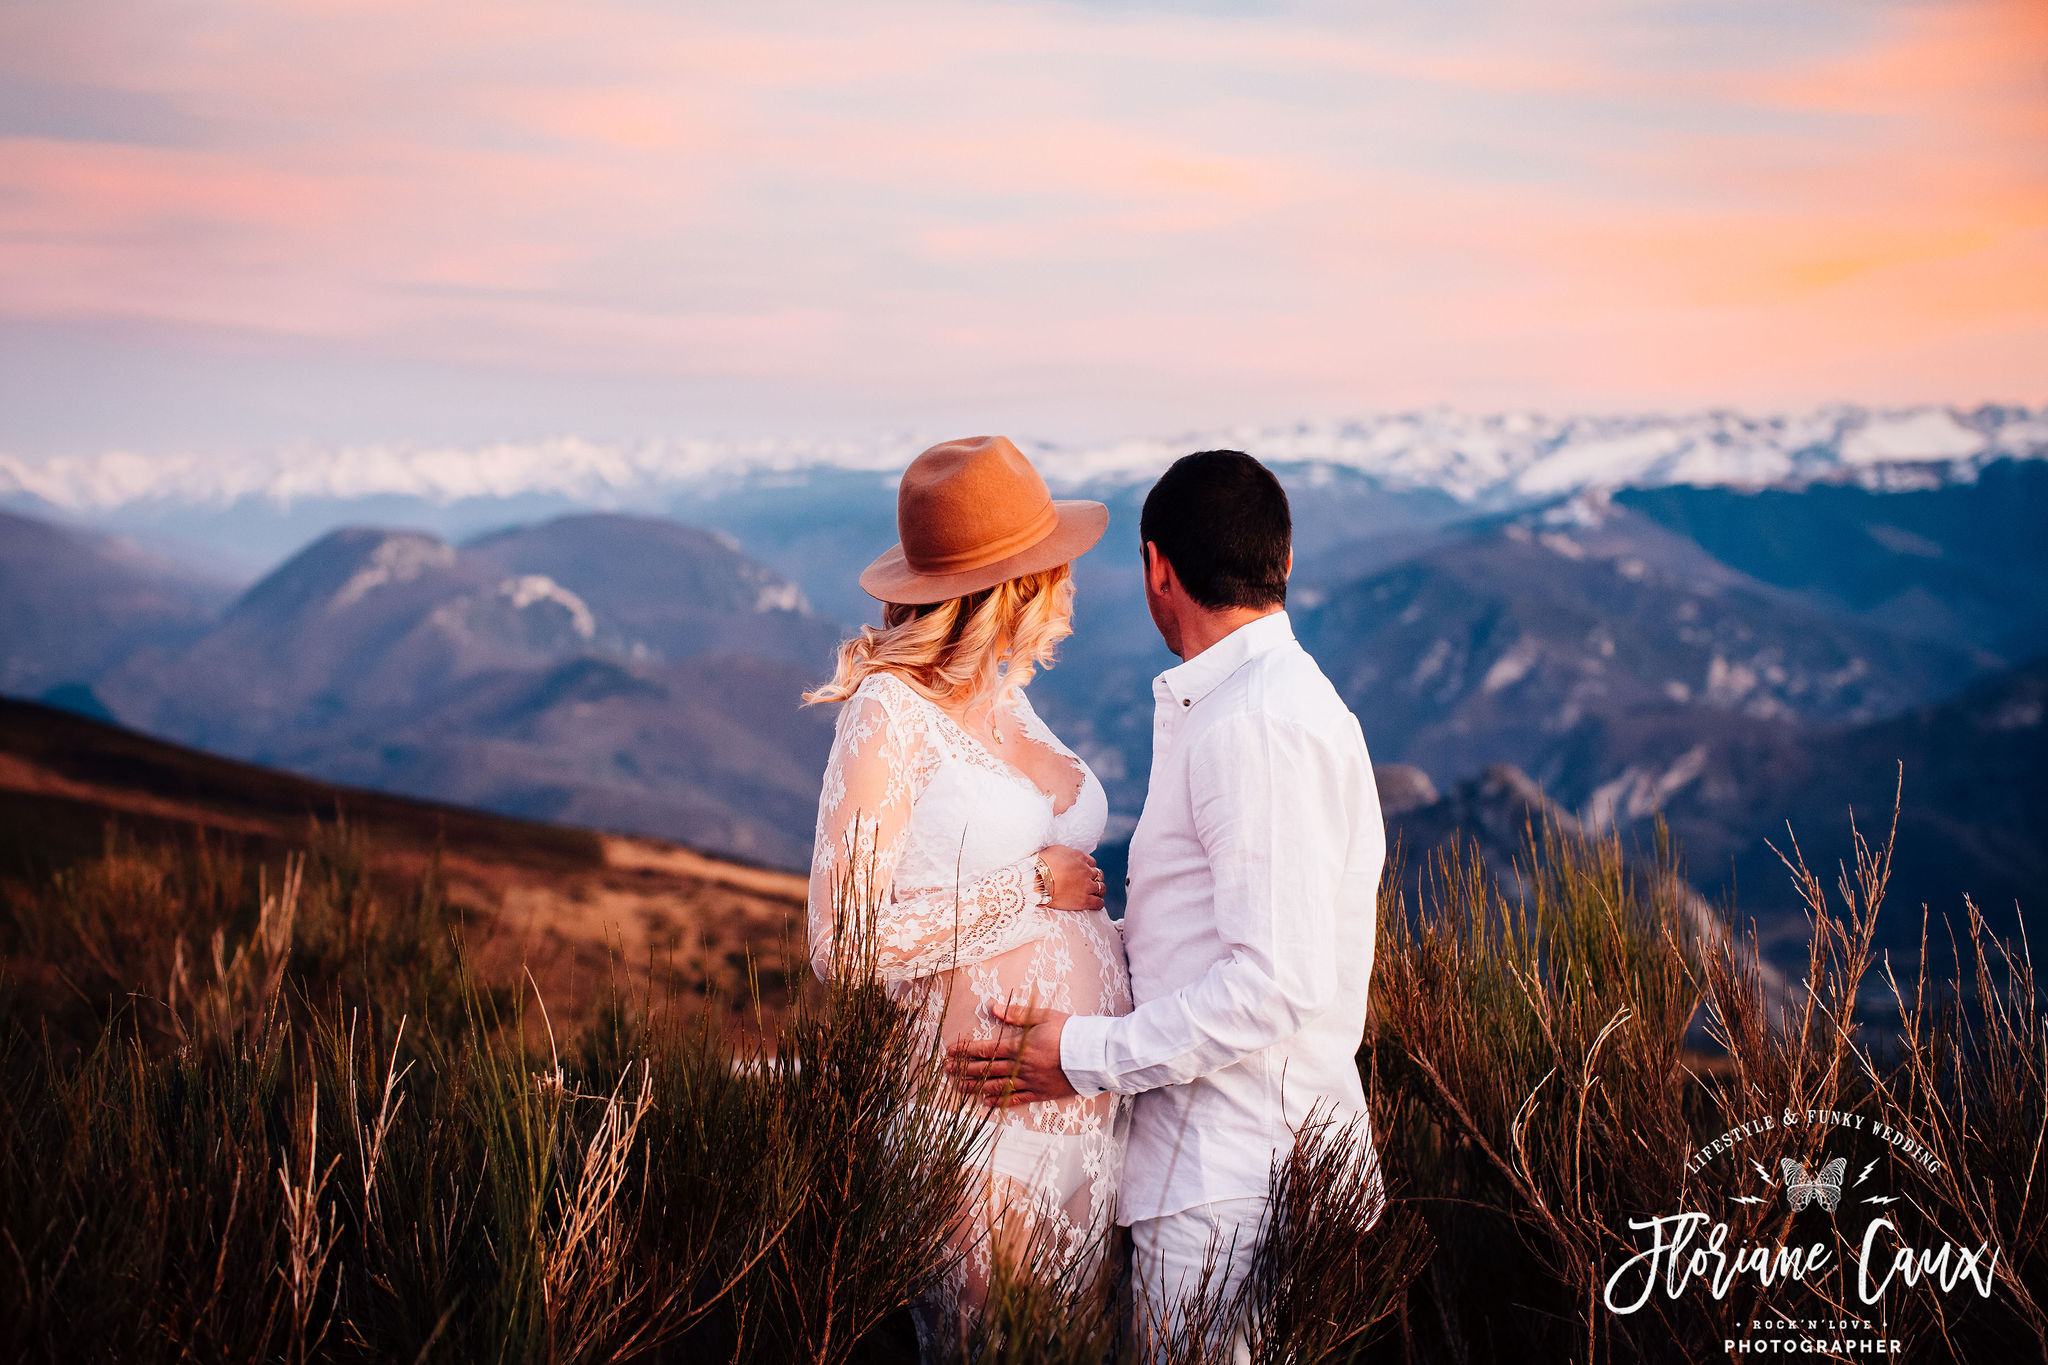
(1768, 1182)
(1866, 1173)
(1881, 1199)
(1749, 1199)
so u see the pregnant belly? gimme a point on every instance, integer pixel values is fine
(1075, 967)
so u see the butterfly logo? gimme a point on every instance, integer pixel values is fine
(1803, 1188)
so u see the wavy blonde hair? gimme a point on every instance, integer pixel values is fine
(998, 637)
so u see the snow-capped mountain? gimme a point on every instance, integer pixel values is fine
(1509, 459)
(1495, 460)
(1661, 648)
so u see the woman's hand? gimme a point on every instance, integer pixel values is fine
(1076, 880)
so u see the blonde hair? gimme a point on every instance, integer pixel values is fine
(997, 637)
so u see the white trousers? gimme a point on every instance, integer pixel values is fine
(1167, 1259)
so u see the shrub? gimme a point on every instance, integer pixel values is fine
(1543, 1094)
(273, 1112)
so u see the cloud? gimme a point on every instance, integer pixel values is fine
(838, 206)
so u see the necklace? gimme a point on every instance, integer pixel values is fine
(994, 731)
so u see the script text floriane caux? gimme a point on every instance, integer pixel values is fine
(1678, 1254)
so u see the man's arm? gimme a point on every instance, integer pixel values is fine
(1268, 800)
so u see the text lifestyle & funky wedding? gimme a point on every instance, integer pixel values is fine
(1835, 1118)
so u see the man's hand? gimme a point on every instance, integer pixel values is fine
(1020, 1065)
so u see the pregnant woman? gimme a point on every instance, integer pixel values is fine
(951, 806)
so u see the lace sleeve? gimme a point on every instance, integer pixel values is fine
(881, 759)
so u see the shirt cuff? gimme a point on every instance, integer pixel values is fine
(1084, 1053)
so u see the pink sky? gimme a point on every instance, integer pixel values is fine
(329, 219)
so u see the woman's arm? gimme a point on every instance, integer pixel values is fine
(881, 760)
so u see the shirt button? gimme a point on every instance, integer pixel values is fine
(1187, 701)
(1127, 881)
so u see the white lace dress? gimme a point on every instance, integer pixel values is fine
(949, 831)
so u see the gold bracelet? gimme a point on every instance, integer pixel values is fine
(1045, 879)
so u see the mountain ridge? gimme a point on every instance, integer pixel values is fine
(1497, 459)
(1669, 651)
(627, 693)
(74, 601)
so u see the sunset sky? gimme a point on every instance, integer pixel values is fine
(236, 223)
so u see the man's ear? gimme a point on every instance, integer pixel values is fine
(1289, 573)
(1158, 569)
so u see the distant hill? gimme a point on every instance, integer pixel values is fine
(624, 672)
(1973, 808)
(1973, 820)
(74, 603)
(656, 588)
(1531, 641)
(1963, 563)
(579, 906)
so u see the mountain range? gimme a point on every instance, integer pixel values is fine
(255, 506)
(622, 672)
(1475, 457)
(1726, 622)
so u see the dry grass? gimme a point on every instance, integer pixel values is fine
(281, 1116)
(1547, 1095)
(588, 912)
(275, 1110)
(277, 1113)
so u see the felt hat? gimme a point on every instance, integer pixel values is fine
(971, 514)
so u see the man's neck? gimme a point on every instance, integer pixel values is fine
(1199, 630)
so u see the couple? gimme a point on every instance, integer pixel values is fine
(1157, 1094)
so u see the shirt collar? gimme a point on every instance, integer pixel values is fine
(1188, 683)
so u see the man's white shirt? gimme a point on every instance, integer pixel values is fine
(1249, 925)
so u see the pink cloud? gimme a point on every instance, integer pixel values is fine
(907, 195)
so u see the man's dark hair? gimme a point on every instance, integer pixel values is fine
(1221, 520)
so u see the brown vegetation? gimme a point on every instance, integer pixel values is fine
(586, 912)
(1543, 1095)
(289, 1090)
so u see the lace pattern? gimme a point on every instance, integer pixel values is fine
(917, 817)
(886, 753)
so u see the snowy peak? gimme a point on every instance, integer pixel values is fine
(1494, 460)
(1517, 458)
(343, 568)
(1925, 434)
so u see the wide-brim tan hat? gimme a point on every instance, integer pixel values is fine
(971, 514)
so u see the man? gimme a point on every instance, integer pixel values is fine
(1254, 876)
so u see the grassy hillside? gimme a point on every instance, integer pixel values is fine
(583, 910)
(278, 1086)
